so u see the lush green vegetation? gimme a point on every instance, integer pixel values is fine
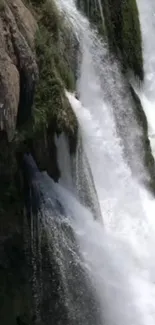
(55, 73)
(52, 111)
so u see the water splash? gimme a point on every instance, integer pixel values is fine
(119, 271)
(121, 289)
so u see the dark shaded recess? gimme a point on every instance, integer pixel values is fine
(43, 149)
(4, 173)
(13, 250)
(142, 120)
(37, 3)
(113, 20)
(72, 140)
(28, 194)
(15, 274)
(27, 90)
(9, 182)
(28, 75)
(20, 321)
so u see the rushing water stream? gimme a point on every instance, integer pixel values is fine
(118, 255)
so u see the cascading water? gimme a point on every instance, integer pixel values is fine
(104, 82)
(101, 274)
(76, 174)
(75, 300)
(118, 256)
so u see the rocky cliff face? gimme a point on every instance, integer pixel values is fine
(36, 63)
(18, 68)
(18, 74)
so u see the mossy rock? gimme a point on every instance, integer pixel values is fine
(121, 27)
(124, 34)
(50, 102)
(52, 112)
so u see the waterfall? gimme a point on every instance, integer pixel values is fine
(99, 273)
(147, 94)
(68, 292)
(101, 77)
(119, 256)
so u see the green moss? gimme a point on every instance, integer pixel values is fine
(124, 35)
(51, 107)
(52, 112)
(55, 73)
(36, 3)
(50, 100)
(50, 18)
(121, 27)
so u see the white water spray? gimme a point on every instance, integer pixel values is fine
(120, 255)
(102, 79)
(118, 272)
